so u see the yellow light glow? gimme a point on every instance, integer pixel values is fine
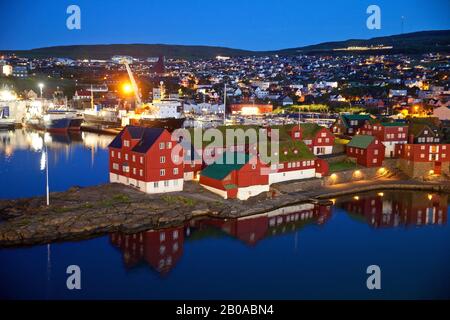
(333, 201)
(431, 172)
(381, 170)
(381, 194)
(127, 88)
(6, 95)
(357, 174)
(249, 111)
(430, 197)
(333, 176)
(356, 197)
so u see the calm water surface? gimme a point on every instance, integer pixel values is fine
(307, 252)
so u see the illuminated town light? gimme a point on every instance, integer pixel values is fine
(127, 88)
(430, 197)
(356, 197)
(357, 174)
(431, 172)
(380, 194)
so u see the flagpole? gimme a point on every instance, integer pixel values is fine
(46, 174)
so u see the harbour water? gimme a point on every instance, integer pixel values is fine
(315, 253)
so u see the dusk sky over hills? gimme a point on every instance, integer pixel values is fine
(252, 25)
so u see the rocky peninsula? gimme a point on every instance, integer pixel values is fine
(80, 213)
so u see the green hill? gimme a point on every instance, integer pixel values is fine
(416, 42)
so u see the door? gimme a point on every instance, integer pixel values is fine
(437, 167)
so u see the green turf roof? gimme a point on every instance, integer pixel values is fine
(361, 141)
(219, 170)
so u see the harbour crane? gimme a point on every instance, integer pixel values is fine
(137, 96)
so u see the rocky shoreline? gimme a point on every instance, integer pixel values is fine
(80, 213)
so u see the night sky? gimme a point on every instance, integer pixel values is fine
(244, 24)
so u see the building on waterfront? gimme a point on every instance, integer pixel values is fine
(246, 176)
(423, 133)
(367, 150)
(389, 133)
(421, 160)
(142, 157)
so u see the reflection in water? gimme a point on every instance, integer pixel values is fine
(162, 249)
(23, 139)
(393, 209)
(73, 158)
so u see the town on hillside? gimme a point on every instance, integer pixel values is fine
(332, 113)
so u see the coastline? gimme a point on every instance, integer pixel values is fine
(81, 213)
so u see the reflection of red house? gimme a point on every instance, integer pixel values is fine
(406, 209)
(161, 249)
(253, 229)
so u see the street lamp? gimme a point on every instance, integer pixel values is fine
(41, 86)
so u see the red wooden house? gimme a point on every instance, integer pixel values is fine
(389, 133)
(367, 150)
(241, 177)
(419, 160)
(142, 157)
(319, 139)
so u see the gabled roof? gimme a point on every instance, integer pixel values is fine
(361, 141)
(310, 130)
(146, 136)
(219, 170)
(349, 117)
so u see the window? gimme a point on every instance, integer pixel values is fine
(162, 172)
(166, 183)
(115, 166)
(126, 143)
(112, 153)
(422, 147)
(175, 171)
(169, 145)
(162, 159)
(175, 183)
(126, 156)
(141, 160)
(422, 155)
(375, 160)
(375, 152)
(141, 172)
(134, 158)
(319, 140)
(175, 247)
(176, 158)
(118, 154)
(162, 236)
(134, 170)
(297, 134)
(327, 140)
(155, 185)
(161, 145)
(126, 169)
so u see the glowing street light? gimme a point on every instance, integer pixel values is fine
(41, 86)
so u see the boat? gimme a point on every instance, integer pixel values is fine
(5, 121)
(108, 117)
(60, 121)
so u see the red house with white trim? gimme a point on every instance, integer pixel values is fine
(419, 160)
(367, 150)
(318, 139)
(389, 133)
(242, 177)
(142, 157)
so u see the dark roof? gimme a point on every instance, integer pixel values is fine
(361, 141)
(219, 170)
(147, 137)
(349, 117)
